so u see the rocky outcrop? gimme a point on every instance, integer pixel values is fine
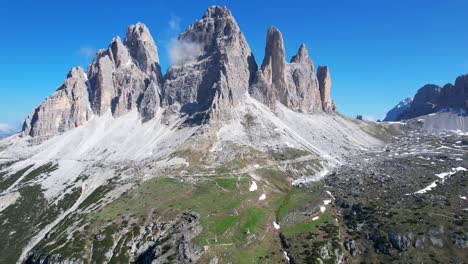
(218, 76)
(293, 84)
(65, 109)
(394, 114)
(168, 242)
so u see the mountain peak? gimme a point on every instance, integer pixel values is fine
(77, 72)
(217, 12)
(294, 84)
(274, 50)
(301, 56)
(218, 69)
(141, 46)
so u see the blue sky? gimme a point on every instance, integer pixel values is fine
(378, 51)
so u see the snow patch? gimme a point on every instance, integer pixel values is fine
(443, 176)
(322, 209)
(262, 197)
(331, 195)
(276, 226)
(8, 199)
(253, 186)
(286, 256)
(315, 218)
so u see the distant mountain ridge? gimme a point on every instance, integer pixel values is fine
(401, 107)
(432, 98)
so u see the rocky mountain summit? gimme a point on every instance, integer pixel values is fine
(432, 98)
(396, 111)
(207, 84)
(293, 84)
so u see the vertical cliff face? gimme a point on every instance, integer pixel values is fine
(65, 109)
(324, 80)
(218, 75)
(293, 84)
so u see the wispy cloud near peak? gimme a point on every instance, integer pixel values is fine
(87, 52)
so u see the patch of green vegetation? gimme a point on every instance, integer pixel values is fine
(120, 252)
(100, 247)
(232, 217)
(18, 222)
(289, 154)
(309, 226)
(7, 182)
(44, 169)
(227, 183)
(292, 201)
(253, 217)
(7, 164)
(276, 178)
(97, 195)
(219, 225)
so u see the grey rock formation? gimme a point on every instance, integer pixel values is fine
(304, 82)
(324, 80)
(293, 84)
(432, 98)
(65, 109)
(218, 77)
(122, 78)
(142, 48)
(120, 75)
(425, 101)
(213, 72)
(394, 114)
(399, 242)
(168, 242)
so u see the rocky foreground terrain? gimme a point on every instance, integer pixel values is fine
(222, 161)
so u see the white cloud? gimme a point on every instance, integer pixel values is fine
(181, 52)
(87, 52)
(174, 24)
(6, 128)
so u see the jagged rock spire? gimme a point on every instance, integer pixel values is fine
(294, 85)
(218, 75)
(324, 80)
(120, 75)
(142, 48)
